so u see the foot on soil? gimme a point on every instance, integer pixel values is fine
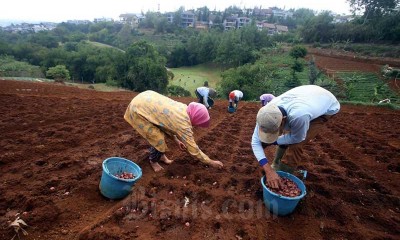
(166, 160)
(156, 167)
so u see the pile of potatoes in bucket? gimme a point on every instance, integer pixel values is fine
(288, 189)
(125, 175)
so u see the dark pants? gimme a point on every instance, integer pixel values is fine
(199, 97)
(234, 101)
(155, 155)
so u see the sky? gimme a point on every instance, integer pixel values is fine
(63, 10)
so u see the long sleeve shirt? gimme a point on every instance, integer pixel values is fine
(166, 114)
(204, 92)
(238, 96)
(302, 105)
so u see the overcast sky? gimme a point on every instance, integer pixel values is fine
(57, 11)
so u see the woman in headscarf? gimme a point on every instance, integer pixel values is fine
(266, 98)
(153, 115)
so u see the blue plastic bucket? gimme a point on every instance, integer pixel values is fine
(231, 109)
(113, 187)
(278, 204)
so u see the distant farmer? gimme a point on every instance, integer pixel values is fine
(234, 97)
(290, 121)
(204, 94)
(153, 116)
(266, 98)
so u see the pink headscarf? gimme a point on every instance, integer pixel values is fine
(198, 115)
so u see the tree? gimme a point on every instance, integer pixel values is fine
(373, 8)
(314, 73)
(143, 68)
(302, 15)
(298, 52)
(58, 73)
(319, 28)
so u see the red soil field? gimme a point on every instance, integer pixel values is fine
(58, 136)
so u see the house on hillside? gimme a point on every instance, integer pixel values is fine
(230, 23)
(78, 21)
(342, 19)
(242, 21)
(30, 27)
(201, 25)
(169, 16)
(281, 29)
(188, 19)
(97, 20)
(279, 13)
(264, 13)
(129, 18)
(272, 28)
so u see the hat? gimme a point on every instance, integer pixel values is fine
(232, 95)
(269, 119)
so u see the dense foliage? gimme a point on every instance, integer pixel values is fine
(136, 57)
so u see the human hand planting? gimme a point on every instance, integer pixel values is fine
(273, 179)
(181, 145)
(216, 164)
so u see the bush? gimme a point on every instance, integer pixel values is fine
(58, 73)
(178, 91)
(112, 83)
(298, 52)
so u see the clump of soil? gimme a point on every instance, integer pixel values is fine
(288, 189)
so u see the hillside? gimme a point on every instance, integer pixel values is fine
(55, 138)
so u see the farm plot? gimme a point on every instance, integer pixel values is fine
(366, 87)
(54, 139)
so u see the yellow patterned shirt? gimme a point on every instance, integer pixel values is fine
(153, 114)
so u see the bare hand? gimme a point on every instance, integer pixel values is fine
(182, 146)
(216, 164)
(273, 179)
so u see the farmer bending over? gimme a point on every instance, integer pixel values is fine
(153, 115)
(266, 98)
(289, 121)
(204, 93)
(234, 98)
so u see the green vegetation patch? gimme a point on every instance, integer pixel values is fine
(366, 87)
(9, 67)
(193, 77)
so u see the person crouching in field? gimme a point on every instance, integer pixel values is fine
(266, 98)
(203, 95)
(153, 116)
(290, 121)
(234, 97)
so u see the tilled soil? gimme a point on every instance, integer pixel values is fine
(54, 139)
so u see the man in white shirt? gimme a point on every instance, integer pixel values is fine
(289, 121)
(234, 97)
(204, 94)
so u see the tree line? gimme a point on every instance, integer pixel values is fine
(139, 61)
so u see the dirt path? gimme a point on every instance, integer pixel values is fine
(58, 136)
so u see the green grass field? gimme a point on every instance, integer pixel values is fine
(102, 45)
(193, 77)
